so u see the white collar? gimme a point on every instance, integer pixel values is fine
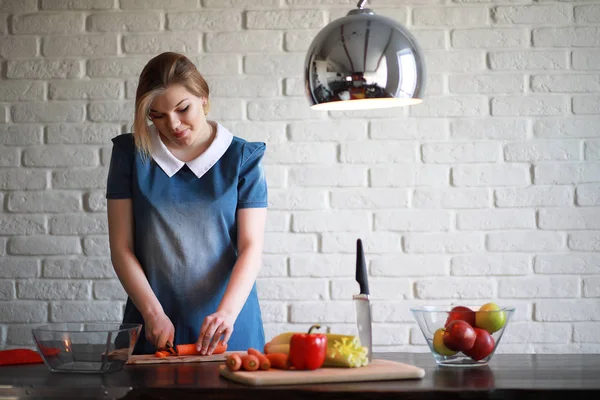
(199, 165)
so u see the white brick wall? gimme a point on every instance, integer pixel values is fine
(489, 190)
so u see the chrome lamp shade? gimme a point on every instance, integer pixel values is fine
(363, 61)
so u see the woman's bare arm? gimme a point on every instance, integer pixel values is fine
(250, 241)
(130, 272)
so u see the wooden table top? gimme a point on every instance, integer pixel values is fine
(506, 376)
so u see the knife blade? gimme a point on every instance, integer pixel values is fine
(362, 303)
(171, 349)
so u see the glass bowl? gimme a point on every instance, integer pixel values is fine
(86, 347)
(432, 319)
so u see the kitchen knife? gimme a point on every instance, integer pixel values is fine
(171, 348)
(361, 301)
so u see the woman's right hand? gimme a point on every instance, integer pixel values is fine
(159, 330)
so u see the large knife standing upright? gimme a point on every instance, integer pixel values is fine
(362, 303)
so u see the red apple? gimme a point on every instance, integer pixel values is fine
(459, 313)
(459, 336)
(483, 346)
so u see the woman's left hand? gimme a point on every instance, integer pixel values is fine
(213, 328)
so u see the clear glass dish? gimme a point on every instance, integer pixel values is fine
(433, 318)
(86, 347)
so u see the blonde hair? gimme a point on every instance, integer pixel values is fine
(159, 73)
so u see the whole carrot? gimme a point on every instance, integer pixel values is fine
(278, 360)
(220, 349)
(250, 362)
(234, 361)
(190, 349)
(264, 362)
(187, 349)
(252, 351)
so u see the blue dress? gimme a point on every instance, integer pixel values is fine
(185, 228)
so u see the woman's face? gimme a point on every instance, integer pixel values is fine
(179, 116)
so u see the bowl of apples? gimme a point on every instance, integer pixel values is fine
(462, 336)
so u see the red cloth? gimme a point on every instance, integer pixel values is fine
(19, 356)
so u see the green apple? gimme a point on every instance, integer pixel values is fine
(490, 318)
(438, 344)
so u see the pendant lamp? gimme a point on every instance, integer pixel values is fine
(363, 61)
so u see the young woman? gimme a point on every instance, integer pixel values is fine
(186, 211)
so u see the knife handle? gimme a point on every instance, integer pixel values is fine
(361, 269)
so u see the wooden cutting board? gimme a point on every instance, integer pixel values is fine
(152, 359)
(377, 370)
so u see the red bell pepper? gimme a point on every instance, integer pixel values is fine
(307, 350)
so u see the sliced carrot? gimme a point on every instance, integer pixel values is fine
(190, 349)
(161, 354)
(250, 362)
(278, 360)
(234, 361)
(264, 362)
